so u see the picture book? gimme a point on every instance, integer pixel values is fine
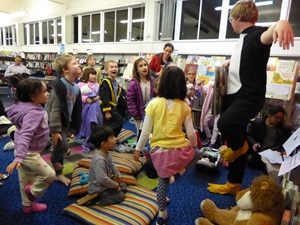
(188, 66)
(286, 66)
(203, 79)
(192, 59)
(274, 77)
(218, 60)
(279, 91)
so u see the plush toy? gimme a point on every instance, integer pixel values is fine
(261, 204)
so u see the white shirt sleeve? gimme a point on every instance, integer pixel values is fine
(190, 131)
(146, 131)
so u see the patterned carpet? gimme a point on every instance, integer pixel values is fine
(186, 194)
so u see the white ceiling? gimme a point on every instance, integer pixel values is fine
(13, 6)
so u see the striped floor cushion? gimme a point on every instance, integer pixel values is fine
(139, 208)
(123, 161)
(80, 189)
(125, 135)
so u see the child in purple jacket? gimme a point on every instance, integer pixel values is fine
(139, 92)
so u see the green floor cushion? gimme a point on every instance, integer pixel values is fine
(139, 207)
(76, 188)
(125, 135)
(123, 161)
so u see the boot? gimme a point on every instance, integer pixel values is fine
(230, 156)
(223, 189)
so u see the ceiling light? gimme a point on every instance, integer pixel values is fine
(133, 21)
(98, 32)
(257, 4)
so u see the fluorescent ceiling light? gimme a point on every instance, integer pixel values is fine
(133, 21)
(98, 32)
(87, 40)
(125, 40)
(257, 4)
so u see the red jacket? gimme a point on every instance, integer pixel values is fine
(156, 62)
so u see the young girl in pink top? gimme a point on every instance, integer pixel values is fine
(91, 110)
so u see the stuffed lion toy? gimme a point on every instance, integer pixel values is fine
(261, 204)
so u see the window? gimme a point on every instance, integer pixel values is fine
(294, 19)
(59, 34)
(230, 32)
(51, 32)
(36, 34)
(32, 34)
(109, 26)
(208, 27)
(138, 21)
(122, 25)
(267, 15)
(86, 29)
(8, 35)
(96, 25)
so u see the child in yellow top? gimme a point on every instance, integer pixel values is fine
(171, 152)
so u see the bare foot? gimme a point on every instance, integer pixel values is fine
(66, 181)
(57, 166)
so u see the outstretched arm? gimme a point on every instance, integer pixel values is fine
(281, 32)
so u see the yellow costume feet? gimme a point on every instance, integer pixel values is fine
(229, 155)
(223, 189)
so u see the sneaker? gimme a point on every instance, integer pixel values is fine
(121, 148)
(85, 149)
(37, 207)
(9, 146)
(30, 196)
(211, 145)
(206, 142)
(11, 129)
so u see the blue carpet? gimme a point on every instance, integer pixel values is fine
(185, 194)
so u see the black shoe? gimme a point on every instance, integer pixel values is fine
(161, 221)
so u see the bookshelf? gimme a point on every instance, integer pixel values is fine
(33, 61)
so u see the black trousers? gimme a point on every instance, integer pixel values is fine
(235, 118)
(233, 127)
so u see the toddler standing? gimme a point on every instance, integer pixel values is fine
(31, 138)
(91, 112)
(110, 91)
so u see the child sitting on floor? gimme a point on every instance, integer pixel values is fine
(104, 176)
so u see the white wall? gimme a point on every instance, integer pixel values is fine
(42, 9)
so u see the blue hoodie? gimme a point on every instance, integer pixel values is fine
(31, 121)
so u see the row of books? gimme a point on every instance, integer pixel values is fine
(38, 64)
(41, 56)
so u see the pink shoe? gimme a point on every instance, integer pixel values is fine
(37, 207)
(30, 196)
